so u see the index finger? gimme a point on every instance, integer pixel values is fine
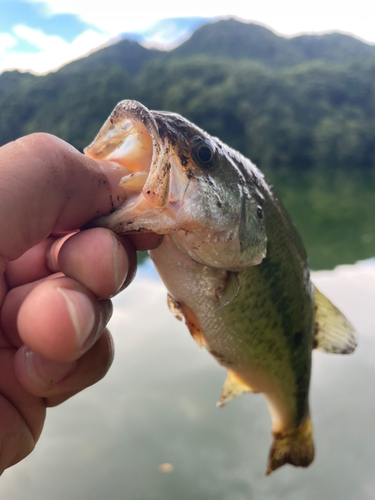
(47, 186)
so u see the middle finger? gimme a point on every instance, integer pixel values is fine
(102, 261)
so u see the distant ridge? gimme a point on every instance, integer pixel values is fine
(234, 40)
(332, 47)
(128, 54)
(287, 103)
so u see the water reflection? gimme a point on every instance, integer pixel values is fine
(157, 405)
(333, 211)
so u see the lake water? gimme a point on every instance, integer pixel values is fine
(334, 213)
(157, 405)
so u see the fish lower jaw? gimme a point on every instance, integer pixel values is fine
(144, 209)
(137, 217)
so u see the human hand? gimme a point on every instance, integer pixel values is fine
(54, 289)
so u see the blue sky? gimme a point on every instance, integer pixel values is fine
(15, 12)
(41, 35)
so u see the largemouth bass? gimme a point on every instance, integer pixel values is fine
(232, 261)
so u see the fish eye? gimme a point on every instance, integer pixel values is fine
(260, 213)
(205, 154)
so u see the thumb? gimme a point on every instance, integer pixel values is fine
(47, 186)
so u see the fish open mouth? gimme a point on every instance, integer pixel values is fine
(152, 181)
(166, 192)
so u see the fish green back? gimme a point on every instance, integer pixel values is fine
(274, 310)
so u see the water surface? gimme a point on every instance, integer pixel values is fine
(333, 211)
(157, 405)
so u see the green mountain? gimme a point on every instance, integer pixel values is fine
(233, 39)
(237, 40)
(332, 48)
(301, 103)
(128, 54)
(71, 105)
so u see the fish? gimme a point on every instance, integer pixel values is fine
(232, 261)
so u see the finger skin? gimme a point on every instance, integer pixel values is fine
(97, 259)
(4, 288)
(46, 185)
(31, 266)
(48, 189)
(96, 273)
(11, 307)
(48, 325)
(16, 438)
(22, 415)
(46, 257)
(88, 370)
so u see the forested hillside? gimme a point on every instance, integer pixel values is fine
(301, 103)
(239, 40)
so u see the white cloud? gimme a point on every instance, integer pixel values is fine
(287, 16)
(112, 17)
(39, 39)
(6, 42)
(54, 51)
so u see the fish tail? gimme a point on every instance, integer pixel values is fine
(295, 447)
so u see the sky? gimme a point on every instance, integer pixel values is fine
(41, 35)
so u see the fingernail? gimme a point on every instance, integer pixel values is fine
(52, 263)
(81, 312)
(45, 373)
(119, 265)
(52, 255)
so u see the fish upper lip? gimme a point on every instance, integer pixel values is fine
(159, 189)
(112, 134)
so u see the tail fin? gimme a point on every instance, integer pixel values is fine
(295, 447)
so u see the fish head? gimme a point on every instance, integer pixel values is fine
(181, 181)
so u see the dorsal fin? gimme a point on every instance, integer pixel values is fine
(333, 332)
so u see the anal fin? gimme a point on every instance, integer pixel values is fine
(333, 332)
(233, 386)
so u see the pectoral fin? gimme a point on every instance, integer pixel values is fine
(233, 386)
(228, 290)
(181, 311)
(175, 307)
(334, 333)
